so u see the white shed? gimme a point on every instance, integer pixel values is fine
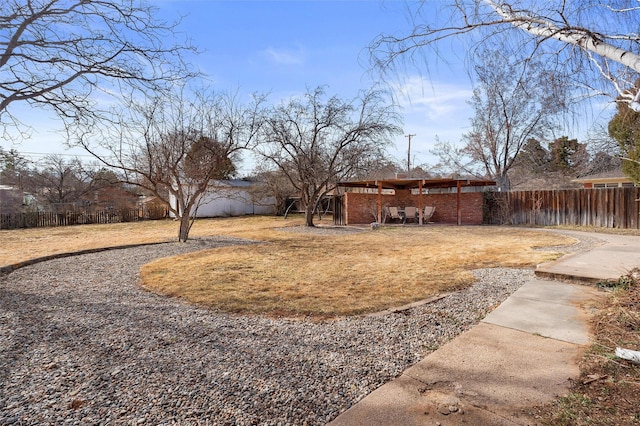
(232, 198)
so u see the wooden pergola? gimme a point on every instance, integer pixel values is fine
(420, 184)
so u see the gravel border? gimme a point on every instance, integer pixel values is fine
(81, 343)
(584, 242)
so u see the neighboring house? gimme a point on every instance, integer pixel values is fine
(13, 200)
(609, 179)
(232, 198)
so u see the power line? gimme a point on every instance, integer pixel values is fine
(46, 154)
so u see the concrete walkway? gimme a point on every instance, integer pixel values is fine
(523, 354)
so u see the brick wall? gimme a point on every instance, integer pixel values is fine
(446, 208)
(361, 208)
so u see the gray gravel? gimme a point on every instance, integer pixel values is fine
(82, 343)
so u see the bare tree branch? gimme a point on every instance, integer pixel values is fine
(175, 147)
(60, 53)
(512, 105)
(589, 39)
(316, 142)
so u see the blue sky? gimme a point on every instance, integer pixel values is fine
(283, 47)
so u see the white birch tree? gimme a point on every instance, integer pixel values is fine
(595, 41)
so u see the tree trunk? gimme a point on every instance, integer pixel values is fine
(184, 228)
(308, 216)
(503, 183)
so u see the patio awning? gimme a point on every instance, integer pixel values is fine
(410, 183)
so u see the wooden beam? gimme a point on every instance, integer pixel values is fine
(420, 202)
(380, 202)
(458, 207)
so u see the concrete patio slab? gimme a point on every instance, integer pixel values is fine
(547, 308)
(616, 257)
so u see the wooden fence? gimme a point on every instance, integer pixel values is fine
(602, 207)
(44, 219)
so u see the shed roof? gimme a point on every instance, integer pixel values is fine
(409, 183)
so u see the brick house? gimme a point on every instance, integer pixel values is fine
(610, 179)
(457, 201)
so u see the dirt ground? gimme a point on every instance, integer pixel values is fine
(608, 389)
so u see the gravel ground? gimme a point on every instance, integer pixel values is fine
(82, 343)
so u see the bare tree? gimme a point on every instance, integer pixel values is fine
(59, 53)
(64, 184)
(15, 169)
(513, 104)
(15, 176)
(175, 148)
(603, 162)
(271, 184)
(317, 142)
(591, 40)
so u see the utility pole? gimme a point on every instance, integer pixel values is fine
(409, 136)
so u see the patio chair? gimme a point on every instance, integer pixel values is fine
(428, 213)
(410, 213)
(393, 213)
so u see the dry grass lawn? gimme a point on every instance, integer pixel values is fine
(299, 274)
(318, 275)
(24, 244)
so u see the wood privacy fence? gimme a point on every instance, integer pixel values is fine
(44, 219)
(602, 207)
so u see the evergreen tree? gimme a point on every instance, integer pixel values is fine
(624, 127)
